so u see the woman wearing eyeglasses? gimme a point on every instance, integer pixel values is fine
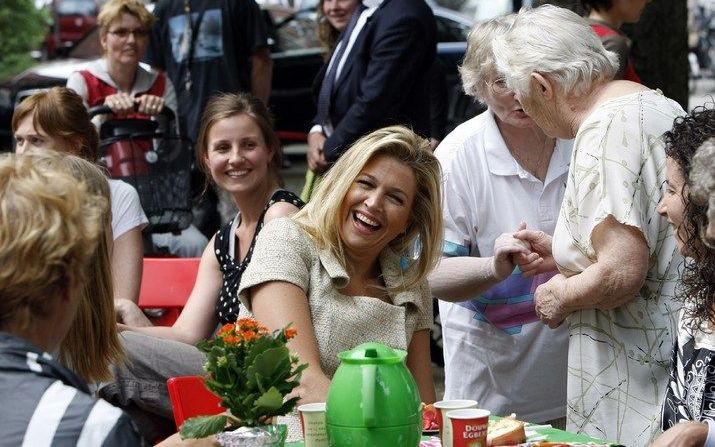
(130, 90)
(117, 80)
(500, 170)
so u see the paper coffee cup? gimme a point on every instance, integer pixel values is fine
(444, 406)
(469, 427)
(312, 421)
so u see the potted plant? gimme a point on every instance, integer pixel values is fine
(252, 371)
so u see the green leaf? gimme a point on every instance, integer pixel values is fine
(271, 361)
(287, 406)
(270, 400)
(266, 367)
(203, 426)
(257, 347)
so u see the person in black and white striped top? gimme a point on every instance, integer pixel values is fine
(50, 224)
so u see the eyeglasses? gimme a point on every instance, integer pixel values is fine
(498, 86)
(124, 33)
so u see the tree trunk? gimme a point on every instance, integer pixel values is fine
(660, 45)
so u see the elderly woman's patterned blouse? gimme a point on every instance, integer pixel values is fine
(619, 358)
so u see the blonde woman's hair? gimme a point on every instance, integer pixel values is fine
(49, 227)
(92, 343)
(113, 10)
(478, 64)
(320, 218)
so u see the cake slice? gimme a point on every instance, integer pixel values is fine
(506, 431)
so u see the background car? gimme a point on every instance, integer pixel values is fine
(72, 20)
(297, 56)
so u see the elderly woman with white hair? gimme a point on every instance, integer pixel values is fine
(616, 255)
(703, 175)
(496, 350)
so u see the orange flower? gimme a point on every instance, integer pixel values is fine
(232, 339)
(226, 329)
(290, 332)
(249, 335)
(247, 324)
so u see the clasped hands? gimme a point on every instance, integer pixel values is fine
(123, 104)
(530, 250)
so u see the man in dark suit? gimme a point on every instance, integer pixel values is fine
(381, 77)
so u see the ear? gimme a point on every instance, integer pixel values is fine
(541, 85)
(103, 42)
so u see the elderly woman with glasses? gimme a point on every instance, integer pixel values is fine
(500, 170)
(617, 257)
(117, 80)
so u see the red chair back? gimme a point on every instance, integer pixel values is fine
(167, 284)
(190, 398)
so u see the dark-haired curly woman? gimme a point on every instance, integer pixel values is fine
(689, 406)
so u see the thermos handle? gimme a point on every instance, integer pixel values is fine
(369, 382)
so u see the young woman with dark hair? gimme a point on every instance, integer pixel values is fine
(687, 411)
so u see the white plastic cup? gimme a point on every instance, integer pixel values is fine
(445, 427)
(312, 421)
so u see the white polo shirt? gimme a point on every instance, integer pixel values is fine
(496, 350)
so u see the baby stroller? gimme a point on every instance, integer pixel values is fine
(151, 156)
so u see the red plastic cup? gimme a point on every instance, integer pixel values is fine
(469, 427)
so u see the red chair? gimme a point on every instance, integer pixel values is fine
(167, 284)
(190, 398)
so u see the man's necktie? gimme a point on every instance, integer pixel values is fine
(326, 88)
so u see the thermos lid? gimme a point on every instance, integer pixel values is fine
(372, 354)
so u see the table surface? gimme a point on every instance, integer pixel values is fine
(551, 435)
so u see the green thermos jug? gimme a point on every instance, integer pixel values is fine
(373, 400)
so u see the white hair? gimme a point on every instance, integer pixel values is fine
(702, 176)
(555, 42)
(478, 61)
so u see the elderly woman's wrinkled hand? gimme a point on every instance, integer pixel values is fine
(539, 243)
(150, 104)
(506, 248)
(548, 302)
(683, 434)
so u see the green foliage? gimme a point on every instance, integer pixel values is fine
(203, 426)
(22, 28)
(252, 371)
